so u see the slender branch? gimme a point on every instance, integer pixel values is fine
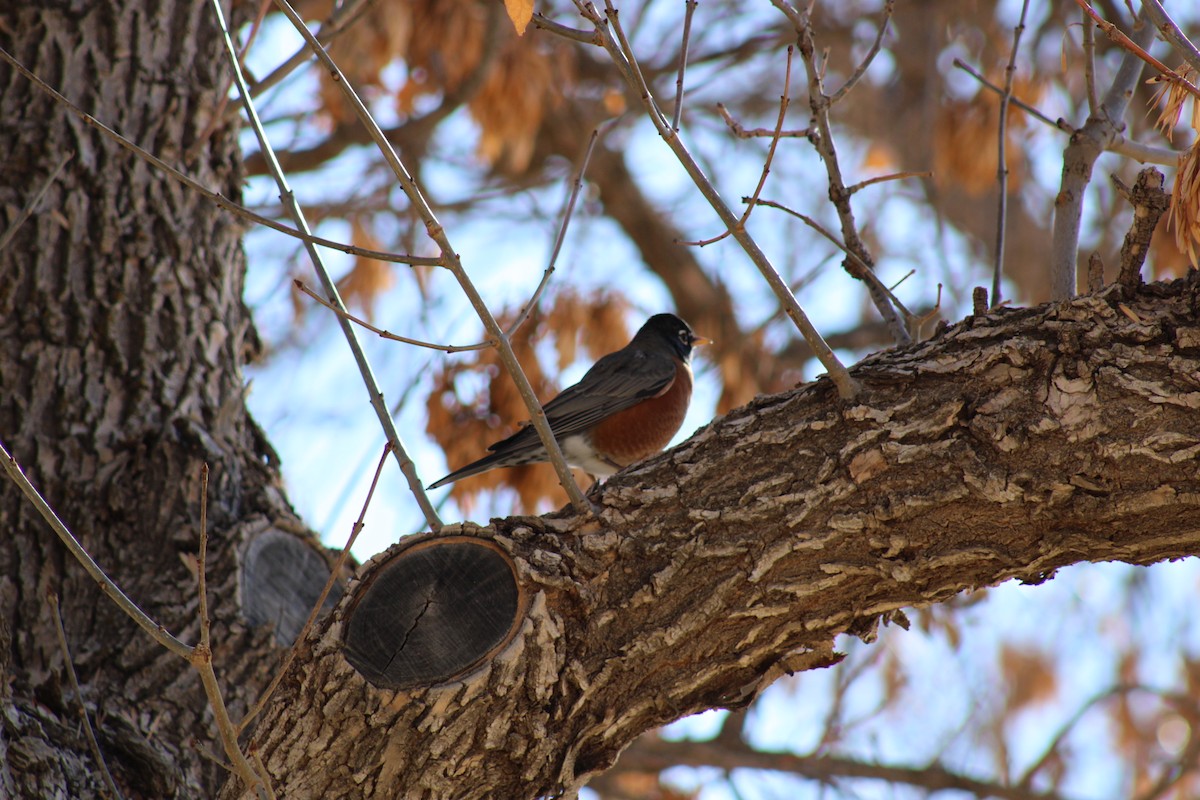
(156, 631)
(288, 198)
(1089, 61)
(451, 261)
(861, 70)
(338, 566)
(1010, 72)
(567, 212)
(202, 560)
(846, 386)
(34, 200)
(342, 313)
(895, 176)
(689, 10)
(93, 745)
(657, 755)
(586, 37)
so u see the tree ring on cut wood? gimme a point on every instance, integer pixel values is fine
(433, 612)
(282, 577)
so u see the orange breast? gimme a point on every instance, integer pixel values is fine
(646, 428)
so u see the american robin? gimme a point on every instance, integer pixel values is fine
(626, 407)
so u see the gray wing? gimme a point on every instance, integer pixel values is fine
(614, 383)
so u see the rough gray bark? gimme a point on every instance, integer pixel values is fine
(122, 331)
(1006, 447)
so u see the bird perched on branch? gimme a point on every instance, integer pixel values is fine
(625, 408)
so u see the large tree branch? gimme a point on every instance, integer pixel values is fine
(1008, 447)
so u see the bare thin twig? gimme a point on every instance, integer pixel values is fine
(567, 212)
(861, 270)
(784, 101)
(1010, 72)
(895, 176)
(201, 659)
(34, 200)
(451, 261)
(342, 313)
(586, 37)
(861, 70)
(93, 745)
(823, 141)
(689, 10)
(338, 565)
(742, 133)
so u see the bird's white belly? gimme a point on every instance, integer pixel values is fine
(579, 453)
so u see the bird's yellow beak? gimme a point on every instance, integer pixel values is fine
(700, 341)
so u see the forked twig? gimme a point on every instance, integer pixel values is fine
(825, 144)
(737, 130)
(201, 659)
(861, 70)
(338, 565)
(1146, 154)
(568, 211)
(94, 745)
(784, 101)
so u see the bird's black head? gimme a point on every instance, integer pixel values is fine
(672, 331)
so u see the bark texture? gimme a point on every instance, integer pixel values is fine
(1008, 446)
(122, 329)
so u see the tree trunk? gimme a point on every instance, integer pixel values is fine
(122, 332)
(1005, 447)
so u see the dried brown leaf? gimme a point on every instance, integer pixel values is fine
(1030, 676)
(520, 12)
(1184, 212)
